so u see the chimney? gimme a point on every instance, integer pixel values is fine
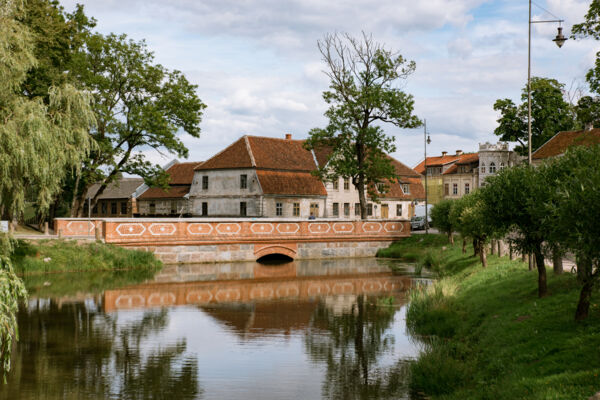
(444, 153)
(288, 136)
(459, 152)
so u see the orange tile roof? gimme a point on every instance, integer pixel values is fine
(173, 192)
(182, 173)
(281, 154)
(468, 158)
(290, 183)
(560, 142)
(452, 169)
(235, 155)
(435, 162)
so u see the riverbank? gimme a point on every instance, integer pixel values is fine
(490, 335)
(48, 256)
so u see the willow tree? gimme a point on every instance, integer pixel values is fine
(363, 94)
(38, 140)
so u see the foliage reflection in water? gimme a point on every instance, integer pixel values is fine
(318, 329)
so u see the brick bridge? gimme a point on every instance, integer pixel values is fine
(193, 240)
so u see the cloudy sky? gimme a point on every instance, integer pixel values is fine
(258, 69)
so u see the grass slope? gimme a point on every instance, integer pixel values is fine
(69, 256)
(490, 336)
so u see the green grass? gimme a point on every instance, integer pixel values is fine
(490, 337)
(69, 256)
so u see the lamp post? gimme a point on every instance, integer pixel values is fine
(426, 141)
(559, 40)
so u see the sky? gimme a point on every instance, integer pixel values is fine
(259, 71)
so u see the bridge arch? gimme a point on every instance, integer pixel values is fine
(285, 250)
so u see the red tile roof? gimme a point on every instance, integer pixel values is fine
(435, 162)
(281, 154)
(290, 183)
(452, 169)
(182, 173)
(234, 156)
(468, 158)
(560, 142)
(173, 192)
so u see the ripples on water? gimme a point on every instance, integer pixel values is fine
(301, 330)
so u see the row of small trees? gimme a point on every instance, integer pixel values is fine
(550, 209)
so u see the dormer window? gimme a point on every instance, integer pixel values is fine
(380, 187)
(406, 188)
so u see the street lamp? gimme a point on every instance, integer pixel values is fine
(426, 141)
(559, 40)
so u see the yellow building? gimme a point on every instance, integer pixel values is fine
(436, 167)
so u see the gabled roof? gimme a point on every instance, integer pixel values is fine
(122, 188)
(468, 158)
(401, 169)
(182, 173)
(290, 183)
(560, 142)
(435, 162)
(263, 153)
(173, 192)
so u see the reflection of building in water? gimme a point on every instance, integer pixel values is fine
(340, 304)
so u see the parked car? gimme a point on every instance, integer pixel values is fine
(417, 223)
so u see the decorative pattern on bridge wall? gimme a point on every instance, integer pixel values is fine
(77, 226)
(202, 293)
(194, 231)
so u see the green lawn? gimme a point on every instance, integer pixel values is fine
(69, 256)
(490, 336)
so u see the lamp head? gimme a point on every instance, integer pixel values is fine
(560, 39)
(428, 139)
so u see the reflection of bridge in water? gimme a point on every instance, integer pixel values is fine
(211, 284)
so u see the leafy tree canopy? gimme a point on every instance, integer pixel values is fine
(138, 105)
(363, 94)
(550, 113)
(440, 217)
(591, 26)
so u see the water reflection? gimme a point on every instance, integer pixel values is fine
(303, 330)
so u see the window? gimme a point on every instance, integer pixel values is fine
(113, 207)
(467, 188)
(501, 166)
(123, 207)
(346, 183)
(279, 209)
(204, 208)
(446, 189)
(242, 207)
(369, 209)
(492, 168)
(314, 209)
(243, 181)
(406, 188)
(398, 210)
(296, 210)
(336, 184)
(482, 168)
(173, 206)
(356, 208)
(380, 187)
(346, 209)
(336, 209)
(205, 183)
(152, 208)
(95, 209)
(455, 189)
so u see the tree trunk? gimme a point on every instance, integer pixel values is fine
(475, 247)
(450, 238)
(583, 307)
(539, 261)
(492, 247)
(530, 260)
(557, 262)
(464, 247)
(362, 199)
(482, 255)
(76, 201)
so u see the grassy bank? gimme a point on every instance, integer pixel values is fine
(490, 336)
(69, 256)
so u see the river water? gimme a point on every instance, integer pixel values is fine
(332, 329)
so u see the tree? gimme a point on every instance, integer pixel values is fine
(550, 113)
(472, 222)
(516, 199)
(138, 105)
(591, 26)
(362, 95)
(573, 213)
(588, 111)
(38, 141)
(456, 211)
(440, 216)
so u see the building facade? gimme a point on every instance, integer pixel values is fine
(117, 199)
(173, 201)
(268, 177)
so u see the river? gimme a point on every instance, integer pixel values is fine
(332, 329)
